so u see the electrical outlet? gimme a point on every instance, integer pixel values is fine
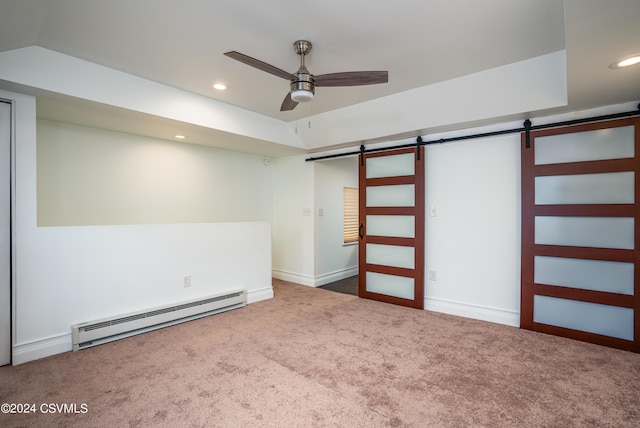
(186, 281)
(433, 275)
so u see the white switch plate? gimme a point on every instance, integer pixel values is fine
(186, 281)
(433, 275)
(432, 211)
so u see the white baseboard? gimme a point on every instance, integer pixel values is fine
(314, 281)
(335, 276)
(483, 313)
(254, 296)
(25, 352)
(298, 278)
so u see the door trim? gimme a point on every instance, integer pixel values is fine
(8, 210)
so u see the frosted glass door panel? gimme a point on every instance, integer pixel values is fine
(402, 195)
(391, 255)
(391, 285)
(391, 166)
(610, 143)
(397, 226)
(610, 321)
(601, 232)
(607, 188)
(598, 275)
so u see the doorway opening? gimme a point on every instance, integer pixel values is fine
(5, 232)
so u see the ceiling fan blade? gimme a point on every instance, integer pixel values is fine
(260, 65)
(352, 78)
(288, 103)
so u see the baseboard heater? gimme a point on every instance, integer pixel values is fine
(105, 330)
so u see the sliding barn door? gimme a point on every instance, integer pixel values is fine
(391, 254)
(580, 233)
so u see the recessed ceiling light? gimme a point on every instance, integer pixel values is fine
(181, 137)
(625, 62)
(220, 86)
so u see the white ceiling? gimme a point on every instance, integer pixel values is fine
(181, 44)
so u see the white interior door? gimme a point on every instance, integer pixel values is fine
(5, 233)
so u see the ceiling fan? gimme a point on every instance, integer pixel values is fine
(303, 83)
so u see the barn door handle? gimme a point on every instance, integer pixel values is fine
(361, 231)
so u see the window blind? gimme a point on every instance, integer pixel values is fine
(350, 215)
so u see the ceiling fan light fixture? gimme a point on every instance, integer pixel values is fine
(301, 96)
(302, 90)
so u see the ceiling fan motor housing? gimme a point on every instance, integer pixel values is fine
(303, 87)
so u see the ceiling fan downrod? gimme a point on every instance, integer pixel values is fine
(303, 86)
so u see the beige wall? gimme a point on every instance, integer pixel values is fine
(88, 176)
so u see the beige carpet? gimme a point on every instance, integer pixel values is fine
(314, 358)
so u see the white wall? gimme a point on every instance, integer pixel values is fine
(293, 220)
(334, 259)
(473, 242)
(308, 248)
(66, 275)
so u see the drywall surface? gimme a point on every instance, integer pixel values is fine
(89, 176)
(293, 220)
(473, 241)
(334, 259)
(69, 275)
